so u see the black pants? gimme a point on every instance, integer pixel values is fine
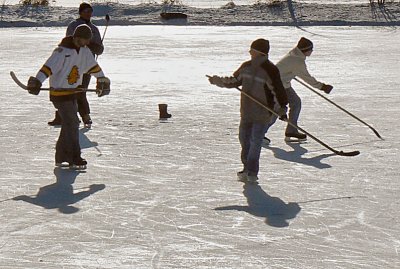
(67, 147)
(83, 104)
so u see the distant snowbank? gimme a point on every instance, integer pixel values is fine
(300, 14)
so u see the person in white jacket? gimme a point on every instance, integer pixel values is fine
(291, 65)
(65, 69)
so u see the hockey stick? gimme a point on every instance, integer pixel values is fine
(105, 30)
(341, 153)
(23, 86)
(341, 108)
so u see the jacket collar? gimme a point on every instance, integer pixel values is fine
(296, 52)
(88, 22)
(259, 60)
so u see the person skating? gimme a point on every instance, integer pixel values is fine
(291, 65)
(97, 48)
(259, 78)
(65, 68)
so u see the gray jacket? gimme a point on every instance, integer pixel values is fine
(96, 45)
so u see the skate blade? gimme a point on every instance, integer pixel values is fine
(252, 182)
(241, 179)
(77, 167)
(62, 165)
(295, 140)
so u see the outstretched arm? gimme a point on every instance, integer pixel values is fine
(303, 73)
(224, 82)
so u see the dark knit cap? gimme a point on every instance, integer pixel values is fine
(84, 6)
(83, 31)
(304, 44)
(260, 45)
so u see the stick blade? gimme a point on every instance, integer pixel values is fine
(17, 81)
(376, 133)
(349, 154)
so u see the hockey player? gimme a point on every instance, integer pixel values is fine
(291, 65)
(259, 78)
(97, 48)
(65, 68)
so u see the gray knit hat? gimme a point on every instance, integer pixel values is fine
(83, 31)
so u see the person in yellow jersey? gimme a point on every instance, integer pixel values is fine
(65, 68)
(97, 48)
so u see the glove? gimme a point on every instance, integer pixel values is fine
(216, 80)
(326, 88)
(103, 86)
(34, 85)
(282, 113)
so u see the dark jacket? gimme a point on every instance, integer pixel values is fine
(260, 79)
(96, 45)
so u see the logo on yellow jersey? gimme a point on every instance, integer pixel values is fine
(73, 75)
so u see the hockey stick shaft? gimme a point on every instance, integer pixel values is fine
(23, 86)
(341, 108)
(104, 33)
(341, 153)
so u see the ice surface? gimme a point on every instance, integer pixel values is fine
(164, 194)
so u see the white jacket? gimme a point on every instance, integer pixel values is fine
(66, 67)
(294, 64)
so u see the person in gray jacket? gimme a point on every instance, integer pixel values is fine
(291, 65)
(260, 79)
(97, 48)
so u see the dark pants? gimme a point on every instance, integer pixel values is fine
(83, 104)
(67, 147)
(294, 111)
(250, 136)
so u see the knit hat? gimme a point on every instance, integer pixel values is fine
(83, 31)
(260, 45)
(84, 6)
(304, 44)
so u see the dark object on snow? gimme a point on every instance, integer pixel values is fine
(173, 15)
(163, 111)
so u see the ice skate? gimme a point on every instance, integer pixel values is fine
(79, 164)
(265, 142)
(252, 179)
(62, 164)
(87, 121)
(295, 137)
(56, 121)
(242, 176)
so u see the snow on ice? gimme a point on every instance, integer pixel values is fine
(300, 13)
